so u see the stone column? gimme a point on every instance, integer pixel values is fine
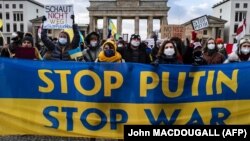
(34, 32)
(105, 27)
(222, 33)
(91, 24)
(119, 25)
(94, 23)
(137, 24)
(213, 32)
(150, 26)
(163, 22)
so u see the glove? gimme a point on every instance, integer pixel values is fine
(73, 18)
(44, 19)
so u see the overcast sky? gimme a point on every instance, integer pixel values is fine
(180, 11)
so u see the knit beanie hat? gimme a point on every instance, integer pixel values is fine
(28, 38)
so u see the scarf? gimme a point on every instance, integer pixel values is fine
(116, 58)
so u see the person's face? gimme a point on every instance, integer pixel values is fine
(107, 47)
(245, 45)
(136, 39)
(26, 44)
(93, 40)
(62, 35)
(210, 42)
(168, 45)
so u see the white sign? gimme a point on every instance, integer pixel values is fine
(200, 23)
(58, 16)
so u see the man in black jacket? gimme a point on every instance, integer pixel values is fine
(136, 51)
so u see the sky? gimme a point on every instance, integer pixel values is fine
(180, 12)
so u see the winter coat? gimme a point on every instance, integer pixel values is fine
(142, 55)
(233, 57)
(90, 54)
(215, 58)
(164, 60)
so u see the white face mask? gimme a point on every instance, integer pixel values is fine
(211, 46)
(41, 44)
(120, 45)
(169, 51)
(220, 46)
(93, 43)
(135, 43)
(62, 41)
(245, 50)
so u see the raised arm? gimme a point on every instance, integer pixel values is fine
(76, 39)
(44, 37)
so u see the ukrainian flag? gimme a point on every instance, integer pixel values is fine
(112, 29)
(74, 53)
(81, 38)
(1, 23)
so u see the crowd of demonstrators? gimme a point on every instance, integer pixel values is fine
(59, 50)
(173, 51)
(242, 54)
(92, 47)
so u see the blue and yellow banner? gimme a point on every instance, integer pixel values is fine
(97, 99)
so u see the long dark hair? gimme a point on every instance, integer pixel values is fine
(161, 50)
(206, 48)
(178, 43)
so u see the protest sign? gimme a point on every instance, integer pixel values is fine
(58, 16)
(200, 23)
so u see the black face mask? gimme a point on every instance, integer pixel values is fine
(198, 58)
(109, 52)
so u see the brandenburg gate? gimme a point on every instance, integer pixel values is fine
(127, 9)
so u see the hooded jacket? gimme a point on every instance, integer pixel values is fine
(103, 58)
(90, 54)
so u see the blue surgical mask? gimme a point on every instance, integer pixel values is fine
(62, 41)
(109, 53)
